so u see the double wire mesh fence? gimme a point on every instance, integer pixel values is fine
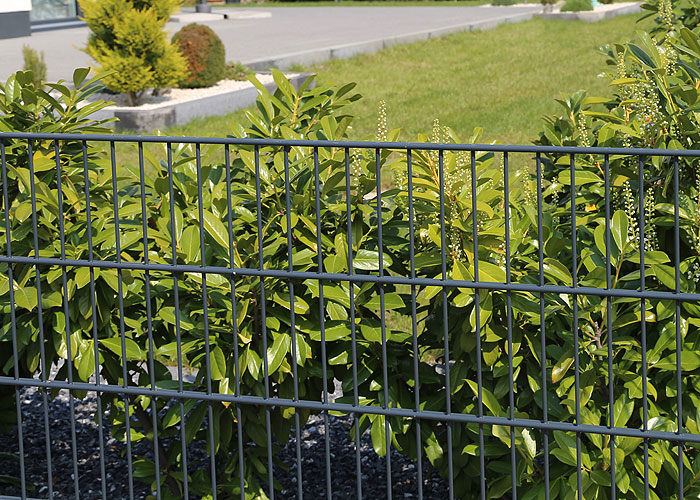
(248, 318)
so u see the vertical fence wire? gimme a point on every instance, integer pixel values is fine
(234, 321)
(205, 310)
(353, 332)
(445, 325)
(608, 311)
(574, 329)
(13, 323)
(679, 344)
(509, 328)
(176, 305)
(40, 314)
(292, 320)
(66, 314)
(322, 315)
(382, 319)
(414, 322)
(158, 456)
(120, 293)
(477, 328)
(93, 306)
(263, 326)
(643, 319)
(543, 340)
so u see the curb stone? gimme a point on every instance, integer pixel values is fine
(181, 113)
(310, 57)
(592, 16)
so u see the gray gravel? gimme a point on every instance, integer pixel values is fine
(343, 456)
(343, 481)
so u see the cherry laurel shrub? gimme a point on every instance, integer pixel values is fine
(656, 83)
(127, 40)
(669, 15)
(205, 55)
(27, 105)
(249, 335)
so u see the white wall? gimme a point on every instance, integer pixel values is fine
(15, 5)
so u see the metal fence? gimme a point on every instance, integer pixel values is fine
(243, 296)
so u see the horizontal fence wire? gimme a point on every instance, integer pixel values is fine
(254, 318)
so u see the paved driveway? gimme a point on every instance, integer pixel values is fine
(289, 31)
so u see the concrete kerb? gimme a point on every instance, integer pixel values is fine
(593, 16)
(316, 56)
(284, 61)
(181, 113)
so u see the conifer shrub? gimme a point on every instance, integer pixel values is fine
(128, 40)
(34, 62)
(576, 6)
(237, 71)
(204, 53)
(548, 4)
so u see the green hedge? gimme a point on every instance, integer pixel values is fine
(654, 106)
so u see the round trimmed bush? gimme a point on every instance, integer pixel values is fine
(204, 53)
(576, 6)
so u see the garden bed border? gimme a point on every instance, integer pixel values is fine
(180, 113)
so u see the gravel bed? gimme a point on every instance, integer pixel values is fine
(177, 95)
(343, 480)
(343, 456)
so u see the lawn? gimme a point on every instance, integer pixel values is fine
(503, 80)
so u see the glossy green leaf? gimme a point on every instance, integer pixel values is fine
(619, 228)
(391, 301)
(86, 361)
(368, 260)
(561, 367)
(190, 244)
(488, 399)
(378, 435)
(581, 178)
(217, 363)
(25, 297)
(132, 349)
(491, 272)
(690, 361)
(216, 229)
(277, 351)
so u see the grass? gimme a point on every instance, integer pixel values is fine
(503, 80)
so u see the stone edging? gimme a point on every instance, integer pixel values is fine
(593, 15)
(310, 57)
(180, 113)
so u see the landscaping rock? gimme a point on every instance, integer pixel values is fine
(600, 12)
(180, 106)
(342, 454)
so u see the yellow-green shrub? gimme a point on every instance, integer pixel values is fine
(128, 39)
